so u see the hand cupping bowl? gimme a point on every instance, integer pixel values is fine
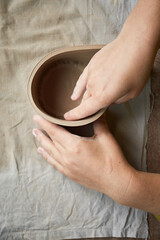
(52, 81)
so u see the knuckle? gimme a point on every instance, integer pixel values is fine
(76, 150)
(77, 146)
(41, 139)
(52, 131)
(90, 85)
(48, 152)
(97, 94)
(45, 156)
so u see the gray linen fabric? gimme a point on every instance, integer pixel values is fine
(36, 201)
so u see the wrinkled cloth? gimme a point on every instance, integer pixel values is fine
(36, 201)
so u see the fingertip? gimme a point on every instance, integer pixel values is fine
(74, 96)
(77, 93)
(66, 115)
(71, 115)
(40, 150)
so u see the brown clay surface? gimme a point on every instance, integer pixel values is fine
(56, 87)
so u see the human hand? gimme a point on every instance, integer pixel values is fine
(115, 74)
(97, 162)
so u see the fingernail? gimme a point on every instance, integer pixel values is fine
(40, 150)
(74, 95)
(66, 115)
(35, 133)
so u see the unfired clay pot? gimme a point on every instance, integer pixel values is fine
(52, 81)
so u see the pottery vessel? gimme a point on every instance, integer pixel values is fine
(52, 81)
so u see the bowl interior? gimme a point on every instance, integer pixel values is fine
(52, 87)
(52, 83)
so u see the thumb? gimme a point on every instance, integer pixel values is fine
(87, 107)
(101, 126)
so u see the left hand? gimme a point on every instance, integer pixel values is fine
(97, 162)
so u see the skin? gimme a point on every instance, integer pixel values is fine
(98, 162)
(119, 71)
(86, 161)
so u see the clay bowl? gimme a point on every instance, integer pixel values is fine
(52, 81)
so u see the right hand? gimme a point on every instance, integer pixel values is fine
(115, 74)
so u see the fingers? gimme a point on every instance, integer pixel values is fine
(91, 103)
(50, 159)
(56, 133)
(86, 108)
(46, 143)
(80, 85)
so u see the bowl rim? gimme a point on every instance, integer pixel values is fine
(63, 122)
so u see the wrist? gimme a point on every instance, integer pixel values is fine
(127, 194)
(143, 192)
(132, 191)
(119, 184)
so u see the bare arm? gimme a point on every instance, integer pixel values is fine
(119, 71)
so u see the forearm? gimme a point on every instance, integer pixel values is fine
(142, 27)
(144, 192)
(142, 31)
